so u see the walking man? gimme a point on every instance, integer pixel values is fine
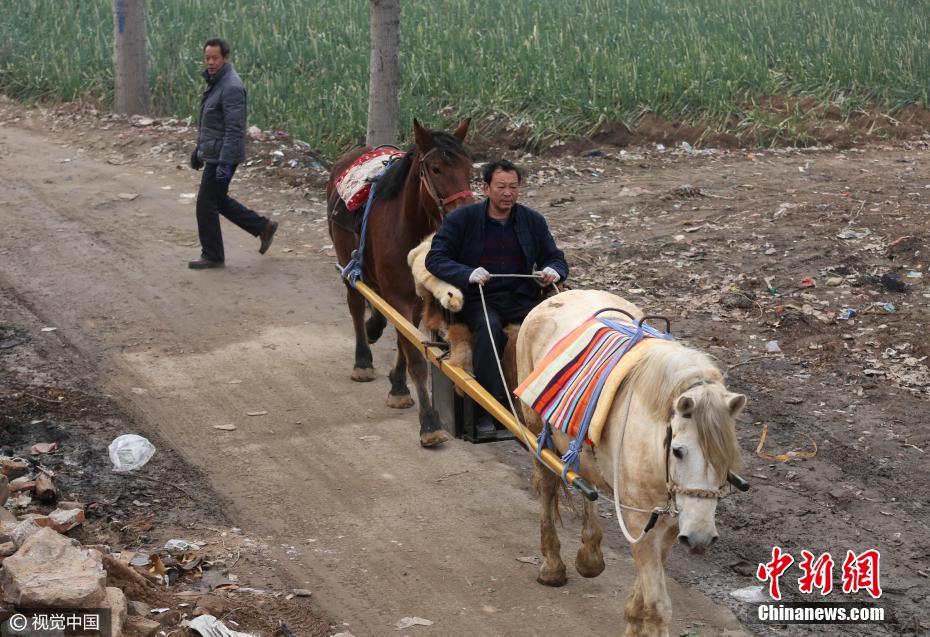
(497, 236)
(220, 148)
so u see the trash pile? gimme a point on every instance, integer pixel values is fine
(44, 563)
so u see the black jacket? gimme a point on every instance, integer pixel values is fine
(221, 132)
(459, 242)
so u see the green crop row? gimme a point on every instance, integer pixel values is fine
(550, 67)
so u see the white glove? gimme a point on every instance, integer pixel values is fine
(479, 276)
(548, 276)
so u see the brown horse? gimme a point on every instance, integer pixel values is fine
(410, 201)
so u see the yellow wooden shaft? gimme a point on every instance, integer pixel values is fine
(462, 379)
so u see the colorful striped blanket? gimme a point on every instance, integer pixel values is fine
(574, 385)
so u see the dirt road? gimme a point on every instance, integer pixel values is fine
(378, 528)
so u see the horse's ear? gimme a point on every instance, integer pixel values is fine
(736, 402)
(462, 129)
(422, 137)
(685, 406)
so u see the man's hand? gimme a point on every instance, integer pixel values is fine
(196, 162)
(223, 173)
(547, 276)
(479, 276)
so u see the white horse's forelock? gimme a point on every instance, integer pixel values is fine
(669, 369)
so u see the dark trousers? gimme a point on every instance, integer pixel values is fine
(213, 200)
(503, 308)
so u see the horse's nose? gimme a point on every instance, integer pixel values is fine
(697, 543)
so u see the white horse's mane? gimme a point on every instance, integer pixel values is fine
(668, 370)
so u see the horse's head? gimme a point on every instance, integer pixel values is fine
(445, 167)
(702, 449)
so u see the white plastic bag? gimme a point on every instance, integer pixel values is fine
(129, 452)
(210, 626)
(749, 594)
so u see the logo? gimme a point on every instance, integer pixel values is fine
(859, 572)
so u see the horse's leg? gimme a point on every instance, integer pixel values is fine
(552, 570)
(399, 396)
(344, 243)
(649, 609)
(374, 326)
(431, 431)
(634, 610)
(589, 562)
(363, 370)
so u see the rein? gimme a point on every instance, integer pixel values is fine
(497, 358)
(426, 181)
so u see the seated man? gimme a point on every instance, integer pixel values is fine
(496, 236)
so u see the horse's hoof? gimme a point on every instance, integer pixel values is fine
(433, 438)
(363, 374)
(552, 578)
(589, 564)
(401, 401)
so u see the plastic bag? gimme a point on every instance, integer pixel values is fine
(129, 452)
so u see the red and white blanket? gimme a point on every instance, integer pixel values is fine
(354, 184)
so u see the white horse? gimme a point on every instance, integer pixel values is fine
(669, 440)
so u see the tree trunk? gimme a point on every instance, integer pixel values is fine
(384, 73)
(130, 58)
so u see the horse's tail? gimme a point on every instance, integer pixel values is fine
(332, 200)
(564, 493)
(567, 495)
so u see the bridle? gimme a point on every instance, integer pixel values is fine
(672, 489)
(426, 181)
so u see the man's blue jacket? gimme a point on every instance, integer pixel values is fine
(459, 242)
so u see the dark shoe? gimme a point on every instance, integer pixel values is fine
(485, 426)
(203, 264)
(267, 235)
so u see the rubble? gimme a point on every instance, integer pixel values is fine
(14, 468)
(141, 626)
(43, 447)
(22, 483)
(50, 570)
(116, 601)
(63, 520)
(24, 530)
(210, 605)
(45, 489)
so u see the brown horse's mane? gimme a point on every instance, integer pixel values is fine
(392, 183)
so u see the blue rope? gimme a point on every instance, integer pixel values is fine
(352, 272)
(572, 457)
(544, 440)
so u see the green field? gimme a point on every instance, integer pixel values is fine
(555, 67)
